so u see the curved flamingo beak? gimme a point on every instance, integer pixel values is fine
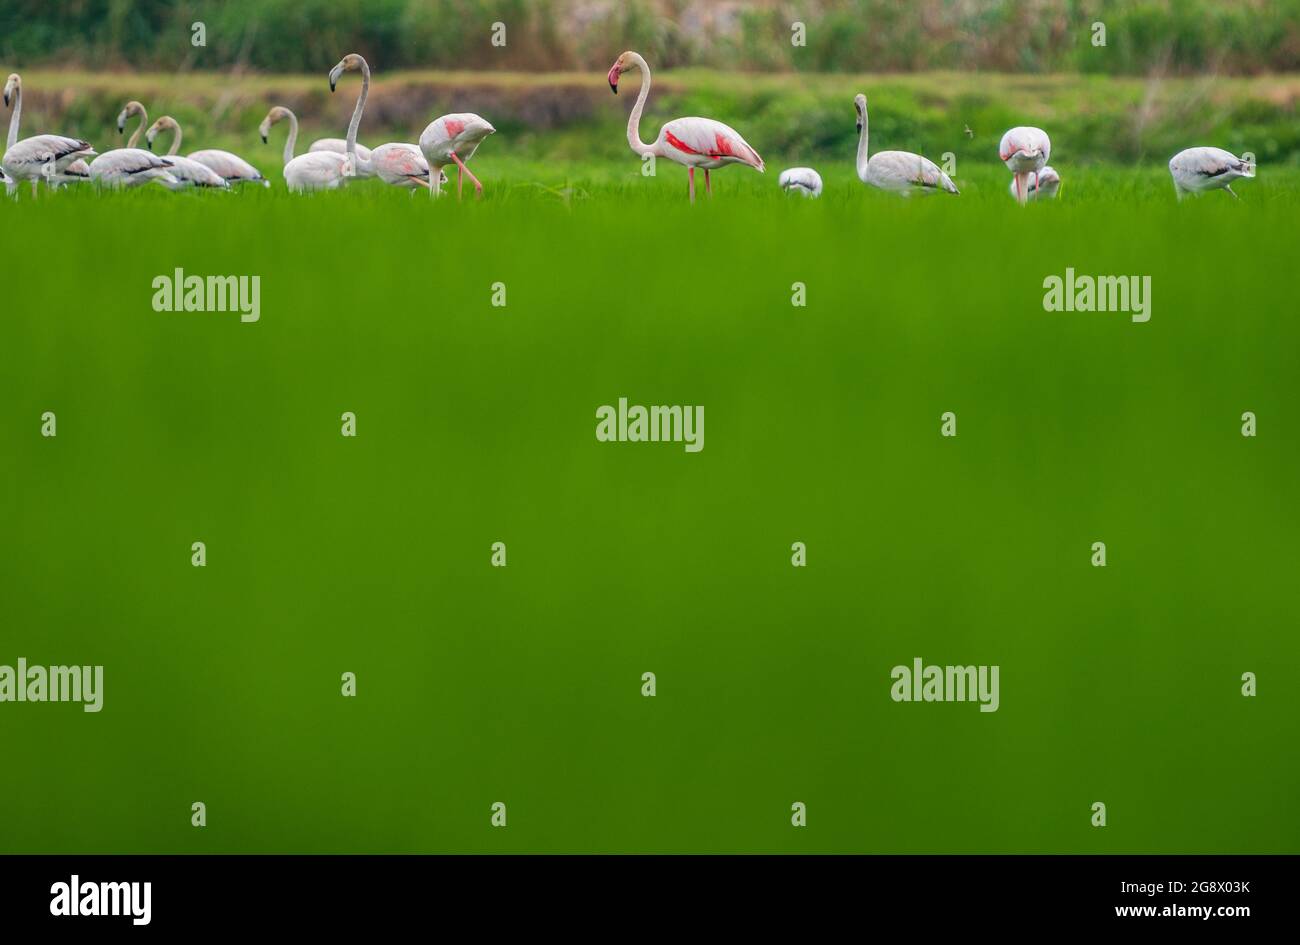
(613, 79)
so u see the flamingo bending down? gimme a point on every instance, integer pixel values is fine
(1044, 184)
(40, 156)
(691, 142)
(453, 139)
(130, 167)
(315, 170)
(188, 173)
(1200, 169)
(402, 165)
(900, 172)
(232, 167)
(801, 180)
(1025, 150)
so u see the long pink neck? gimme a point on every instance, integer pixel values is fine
(634, 120)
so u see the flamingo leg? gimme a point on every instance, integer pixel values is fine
(690, 177)
(462, 169)
(1228, 188)
(708, 186)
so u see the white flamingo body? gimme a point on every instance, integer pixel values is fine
(29, 158)
(1042, 185)
(78, 170)
(1197, 170)
(316, 170)
(193, 174)
(900, 172)
(453, 139)
(130, 167)
(1025, 151)
(402, 165)
(232, 167)
(691, 142)
(801, 180)
(40, 156)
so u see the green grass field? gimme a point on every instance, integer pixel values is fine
(476, 424)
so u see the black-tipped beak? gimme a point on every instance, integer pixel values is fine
(331, 85)
(264, 141)
(859, 127)
(613, 88)
(148, 143)
(6, 99)
(121, 129)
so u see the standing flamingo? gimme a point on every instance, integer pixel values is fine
(402, 165)
(189, 173)
(691, 142)
(453, 139)
(1025, 150)
(1044, 184)
(315, 170)
(1200, 169)
(900, 172)
(47, 156)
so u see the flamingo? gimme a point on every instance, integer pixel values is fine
(1200, 169)
(402, 165)
(130, 167)
(232, 167)
(1025, 150)
(47, 156)
(900, 172)
(1044, 184)
(801, 180)
(315, 170)
(691, 142)
(453, 139)
(187, 172)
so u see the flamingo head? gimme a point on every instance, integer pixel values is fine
(621, 65)
(349, 63)
(860, 106)
(131, 108)
(12, 85)
(163, 123)
(276, 114)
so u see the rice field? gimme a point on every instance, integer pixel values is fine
(475, 425)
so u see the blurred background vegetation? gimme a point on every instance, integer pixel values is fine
(1237, 37)
(941, 75)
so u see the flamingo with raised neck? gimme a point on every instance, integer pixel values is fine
(691, 142)
(396, 163)
(900, 172)
(39, 157)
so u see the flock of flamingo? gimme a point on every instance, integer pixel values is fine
(701, 143)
